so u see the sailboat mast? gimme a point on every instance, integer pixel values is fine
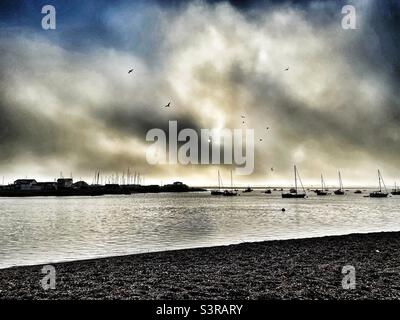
(231, 180)
(340, 181)
(383, 182)
(295, 178)
(380, 185)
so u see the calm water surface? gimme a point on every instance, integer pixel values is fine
(44, 230)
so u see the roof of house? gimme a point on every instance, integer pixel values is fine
(25, 181)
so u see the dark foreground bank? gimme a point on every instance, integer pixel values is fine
(293, 269)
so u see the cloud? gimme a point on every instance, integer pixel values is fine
(73, 106)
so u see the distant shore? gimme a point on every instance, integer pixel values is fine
(67, 188)
(288, 269)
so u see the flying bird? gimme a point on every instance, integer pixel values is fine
(260, 139)
(287, 69)
(130, 71)
(272, 169)
(243, 117)
(168, 105)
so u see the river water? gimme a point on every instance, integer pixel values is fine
(46, 230)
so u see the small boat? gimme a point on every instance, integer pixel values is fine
(396, 191)
(293, 193)
(230, 193)
(358, 191)
(218, 192)
(324, 190)
(340, 191)
(248, 189)
(268, 191)
(380, 193)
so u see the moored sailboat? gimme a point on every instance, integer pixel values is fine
(218, 192)
(324, 190)
(230, 193)
(294, 192)
(380, 193)
(396, 191)
(340, 191)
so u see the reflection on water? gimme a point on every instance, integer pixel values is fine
(42, 230)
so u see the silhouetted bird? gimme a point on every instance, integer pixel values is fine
(260, 139)
(168, 105)
(130, 71)
(243, 117)
(287, 69)
(272, 169)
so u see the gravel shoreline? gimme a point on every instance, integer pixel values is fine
(288, 269)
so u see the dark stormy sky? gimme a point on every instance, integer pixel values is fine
(68, 104)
